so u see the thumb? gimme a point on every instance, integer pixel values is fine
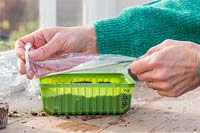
(44, 51)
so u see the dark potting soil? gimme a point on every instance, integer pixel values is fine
(90, 82)
(3, 115)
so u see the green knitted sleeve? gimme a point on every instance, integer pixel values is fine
(137, 29)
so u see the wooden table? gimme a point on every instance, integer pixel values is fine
(150, 113)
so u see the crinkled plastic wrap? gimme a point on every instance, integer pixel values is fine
(5, 79)
(76, 62)
(73, 62)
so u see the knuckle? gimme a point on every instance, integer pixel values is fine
(167, 42)
(154, 62)
(151, 50)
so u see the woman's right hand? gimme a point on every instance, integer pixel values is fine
(49, 42)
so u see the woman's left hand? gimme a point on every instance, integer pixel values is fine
(171, 67)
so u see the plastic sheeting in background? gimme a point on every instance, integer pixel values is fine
(10, 80)
(5, 79)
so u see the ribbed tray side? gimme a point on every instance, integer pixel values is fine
(95, 98)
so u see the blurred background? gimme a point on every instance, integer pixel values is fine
(20, 17)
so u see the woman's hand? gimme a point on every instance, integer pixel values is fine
(171, 67)
(49, 42)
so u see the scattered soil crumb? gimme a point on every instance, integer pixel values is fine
(169, 107)
(167, 113)
(140, 120)
(42, 113)
(67, 116)
(90, 117)
(122, 119)
(114, 122)
(33, 113)
(133, 108)
(14, 114)
(24, 122)
(75, 126)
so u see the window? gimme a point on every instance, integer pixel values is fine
(20, 17)
(17, 18)
(69, 12)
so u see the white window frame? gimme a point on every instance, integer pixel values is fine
(94, 10)
(47, 13)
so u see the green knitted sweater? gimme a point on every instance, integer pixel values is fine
(137, 29)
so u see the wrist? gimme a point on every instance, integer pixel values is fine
(198, 59)
(92, 39)
(196, 51)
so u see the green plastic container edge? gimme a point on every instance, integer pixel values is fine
(130, 83)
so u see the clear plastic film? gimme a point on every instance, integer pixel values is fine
(76, 62)
(5, 79)
(73, 62)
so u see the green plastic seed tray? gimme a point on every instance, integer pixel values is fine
(86, 93)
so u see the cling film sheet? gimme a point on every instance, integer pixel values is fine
(81, 63)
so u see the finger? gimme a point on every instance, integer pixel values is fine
(155, 74)
(19, 44)
(146, 76)
(30, 75)
(36, 38)
(175, 91)
(21, 66)
(20, 50)
(183, 87)
(23, 40)
(21, 53)
(45, 51)
(150, 85)
(163, 93)
(159, 85)
(167, 93)
(141, 65)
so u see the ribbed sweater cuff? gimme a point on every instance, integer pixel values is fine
(111, 35)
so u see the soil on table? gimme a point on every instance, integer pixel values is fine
(75, 126)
